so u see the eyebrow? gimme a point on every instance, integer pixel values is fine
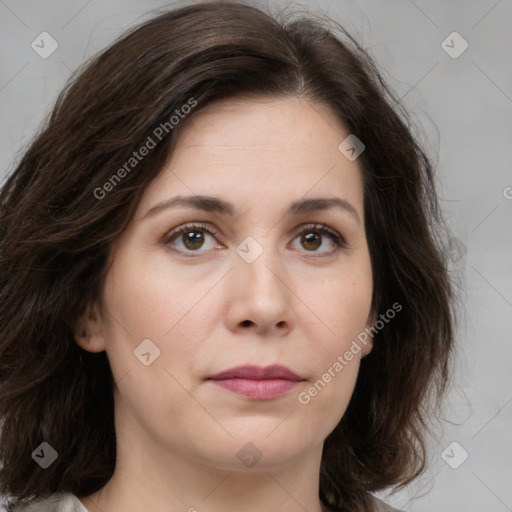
(216, 205)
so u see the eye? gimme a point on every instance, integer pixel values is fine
(191, 237)
(312, 237)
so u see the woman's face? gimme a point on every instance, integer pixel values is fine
(254, 281)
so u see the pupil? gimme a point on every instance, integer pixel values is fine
(193, 239)
(312, 238)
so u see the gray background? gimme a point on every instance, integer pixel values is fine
(464, 107)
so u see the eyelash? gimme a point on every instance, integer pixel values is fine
(338, 239)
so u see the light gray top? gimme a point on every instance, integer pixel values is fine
(67, 502)
(384, 507)
(62, 502)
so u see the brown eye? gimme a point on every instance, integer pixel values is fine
(193, 239)
(311, 240)
(314, 236)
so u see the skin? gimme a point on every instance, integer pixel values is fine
(299, 304)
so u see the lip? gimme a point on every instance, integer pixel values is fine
(257, 383)
(251, 372)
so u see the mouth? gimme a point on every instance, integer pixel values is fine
(257, 383)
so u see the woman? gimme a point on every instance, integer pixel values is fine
(222, 282)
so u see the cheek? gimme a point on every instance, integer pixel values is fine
(151, 298)
(340, 305)
(343, 307)
(174, 314)
(151, 315)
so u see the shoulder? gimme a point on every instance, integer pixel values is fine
(380, 506)
(67, 502)
(60, 502)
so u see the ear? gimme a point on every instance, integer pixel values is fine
(368, 345)
(89, 330)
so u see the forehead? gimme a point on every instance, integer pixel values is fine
(270, 124)
(242, 145)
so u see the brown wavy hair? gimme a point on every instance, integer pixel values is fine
(56, 236)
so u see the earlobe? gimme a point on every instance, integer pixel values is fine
(89, 332)
(367, 347)
(368, 344)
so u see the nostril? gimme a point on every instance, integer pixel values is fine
(246, 323)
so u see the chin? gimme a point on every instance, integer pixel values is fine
(245, 453)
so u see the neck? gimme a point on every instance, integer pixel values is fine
(150, 477)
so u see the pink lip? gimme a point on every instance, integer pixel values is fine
(257, 383)
(257, 373)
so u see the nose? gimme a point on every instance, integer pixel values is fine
(261, 299)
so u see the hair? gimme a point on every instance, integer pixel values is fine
(57, 232)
